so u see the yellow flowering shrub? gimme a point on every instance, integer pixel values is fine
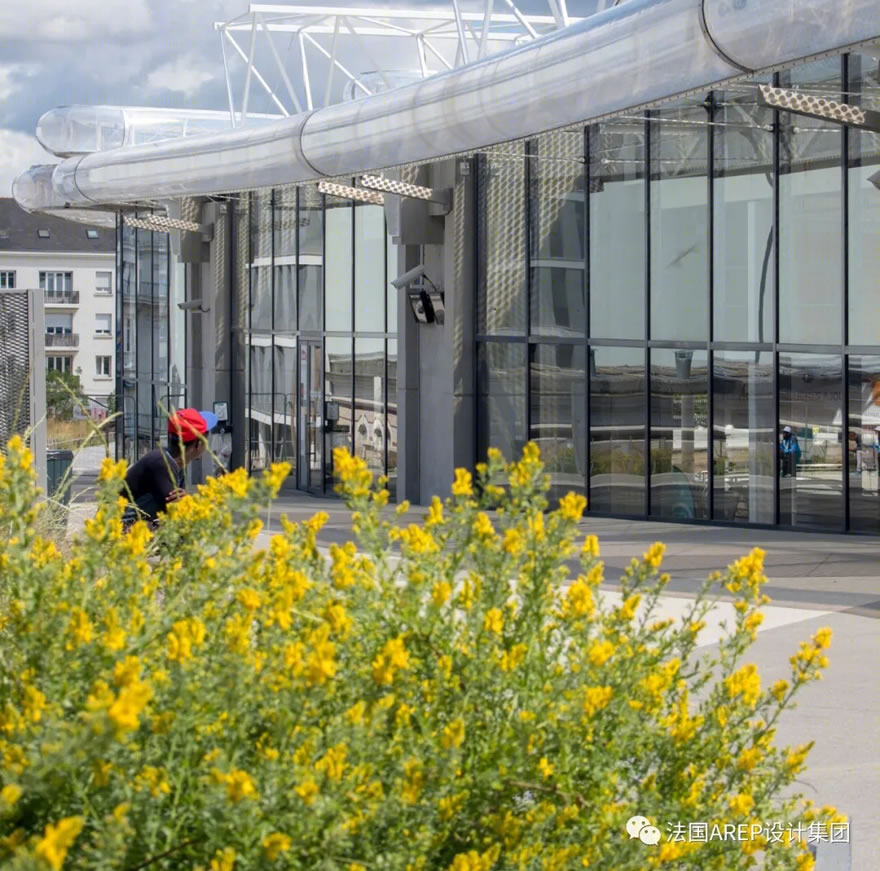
(456, 695)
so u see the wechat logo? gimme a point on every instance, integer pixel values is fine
(641, 828)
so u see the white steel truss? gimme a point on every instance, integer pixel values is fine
(322, 40)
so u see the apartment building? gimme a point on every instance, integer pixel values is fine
(74, 266)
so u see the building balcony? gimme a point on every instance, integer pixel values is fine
(66, 340)
(67, 297)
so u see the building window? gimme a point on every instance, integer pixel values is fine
(103, 325)
(102, 366)
(58, 363)
(104, 282)
(56, 284)
(7, 280)
(43, 234)
(91, 233)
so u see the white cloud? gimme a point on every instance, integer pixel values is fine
(10, 76)
(185, 74)
(18, 152)
(72, 20)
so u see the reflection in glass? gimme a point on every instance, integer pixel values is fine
(811, 237)
(338, 265)
(679, 223)
(285, 260)
(284, 408)
(311, 259)
(369, 269)
(501, 242)
(810, 404)
(743, 229)
(617, 430)
(369, 403)
(259, 411)
(864, 206)
(744, 441)
(393, 270)
(338, 389)
(261, 260)
(558, 414)
(679, 434)
(617, 230)
(391, 426)
(501, 400)
(556, 213)
(864, 443)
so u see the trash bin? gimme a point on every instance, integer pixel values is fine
(57, 466)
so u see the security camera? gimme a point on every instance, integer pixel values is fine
(410, 277)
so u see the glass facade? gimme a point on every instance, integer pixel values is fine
(320, 339)
(662, 294)
(149, 368)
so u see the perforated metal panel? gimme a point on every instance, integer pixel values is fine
(23, 372)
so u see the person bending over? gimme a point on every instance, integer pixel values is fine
(157, 477)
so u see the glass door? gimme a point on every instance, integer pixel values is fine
(310, 461)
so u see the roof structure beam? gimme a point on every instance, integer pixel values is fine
(284, 77)
(256, 73)
(351, 76)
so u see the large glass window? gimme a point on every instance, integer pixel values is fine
(339, 412)
(260, 406)
(501, 400)
(679, 434)
(311, 259)
(556, 216)
(863, 430)
(810, 213)
(501, 229)
(811, 454)
(864, 206)
(557, 419)
(338, 296)
(369, 403)
(261, 262)
(369, 269)
(285, 260)
(744, 439)
(617, 430)
(391, 425)
(617, 229)
(744, 272)
(285, 401)
(679, 223)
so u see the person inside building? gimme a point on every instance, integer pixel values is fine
(789, 453)
(156, 479)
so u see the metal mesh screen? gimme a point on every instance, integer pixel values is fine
(15, 365)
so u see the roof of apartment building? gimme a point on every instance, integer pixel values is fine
(35, 232)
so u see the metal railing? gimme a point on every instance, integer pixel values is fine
(62, 340)
(64, 297)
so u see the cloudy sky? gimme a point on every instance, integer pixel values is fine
(123, 52)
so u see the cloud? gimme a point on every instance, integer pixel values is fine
(18, 151)
(72, 20)
(185, 74)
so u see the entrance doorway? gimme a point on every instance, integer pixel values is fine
(310, 459)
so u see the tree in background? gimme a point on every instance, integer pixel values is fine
(63, 393)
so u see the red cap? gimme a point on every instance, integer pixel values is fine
(187, 424)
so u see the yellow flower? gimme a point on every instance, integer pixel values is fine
(223, 860)
(307, 790)
(413, 781)
(510, 659)
(654, 555)
(441, 592)
(745, 682)
(57, 840)
(493, 621)
(545, 767)
(332, 763)
(822, 639)
(125, 711)
(748, 758)
(249, 599)
(600, 652)
(276, 844)
(453, 734)
(483, 526)
(394, 656)
(572, 506)
(513, 542)
(239, 785)
(779, 689)
(10, 794)
(596, 698)
(463, 484)
(435, 513)
(741, 803)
